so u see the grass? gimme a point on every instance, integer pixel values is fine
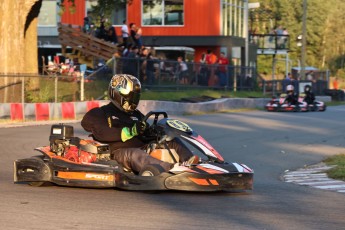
(178, 95)
(335, 103)
(338, 172)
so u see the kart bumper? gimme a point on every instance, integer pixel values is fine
(64, 173)
(210, 183)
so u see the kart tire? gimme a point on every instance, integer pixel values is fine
(39, 183)
(151, 170)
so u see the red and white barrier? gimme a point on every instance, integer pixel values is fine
(47, 111)
(42, 111)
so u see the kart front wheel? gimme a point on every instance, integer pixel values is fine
(37, 183)
(151, 170)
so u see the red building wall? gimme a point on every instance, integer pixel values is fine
(201, 17)
(76, 18)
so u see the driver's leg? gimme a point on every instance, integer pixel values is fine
(135, 159)
(181, 149)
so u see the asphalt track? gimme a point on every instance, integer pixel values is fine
(268, 142)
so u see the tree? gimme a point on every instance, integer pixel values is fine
(325, 33)
(18, 36)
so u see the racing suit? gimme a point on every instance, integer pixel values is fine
(309, 97)
(106, 124)
(291, 98)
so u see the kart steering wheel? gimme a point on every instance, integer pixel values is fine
(157, 114)
(152, 130)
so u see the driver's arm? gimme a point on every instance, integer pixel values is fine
(96, 122)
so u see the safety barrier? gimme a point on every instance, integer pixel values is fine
(46, 111)
(75, 110)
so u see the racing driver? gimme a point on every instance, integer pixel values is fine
(120, 125)
(291, 96)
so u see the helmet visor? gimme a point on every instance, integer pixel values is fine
(131, 101)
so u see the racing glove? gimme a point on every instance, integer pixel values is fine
(127, 133)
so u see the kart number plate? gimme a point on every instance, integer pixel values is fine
(57, 131)
(179, 125)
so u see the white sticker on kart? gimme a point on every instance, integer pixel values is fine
(179, 125)
(57, 131)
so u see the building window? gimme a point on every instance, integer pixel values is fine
(162, 12)
(48, 16)
(115, 16)
(119, 14)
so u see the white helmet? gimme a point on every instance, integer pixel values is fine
(290, 88)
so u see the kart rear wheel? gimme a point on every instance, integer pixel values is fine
(151, 170)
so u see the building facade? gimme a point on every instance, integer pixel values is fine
(218, 25)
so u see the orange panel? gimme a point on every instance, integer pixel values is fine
(200, 18)
(85, 176)
(199, 181)
(214, 182)
(76, 18)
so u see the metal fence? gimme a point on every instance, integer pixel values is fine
(82, 84)
(160, 74)
(319, 83)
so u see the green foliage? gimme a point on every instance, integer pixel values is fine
(66, 91)
(104, 8)
(178, 95)
(325, 33)
(337, 172)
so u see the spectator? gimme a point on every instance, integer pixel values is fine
(133, 33)
(132, 62)
(143, 55)
(280, 37)
(102, 33)
(182, 71)
(295, 84)
(87, 23)
(150, 69)
(138, 37)
(211, 59)
(286, 82)
(335, 84)
(125, 33)
(310, 76)
(203, 58)
(285, 38)
(111, 35)
(221, 71)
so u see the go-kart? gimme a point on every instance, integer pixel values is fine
(316, 105)
(71, 161)
(279, 105)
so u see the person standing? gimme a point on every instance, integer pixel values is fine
(286, 82)
(138, 35)
(182, 71)
(133, 33)
(150, 69)
(87, 23)
(125, 33)
(211, 59)
(221, 72)
(111, 35)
